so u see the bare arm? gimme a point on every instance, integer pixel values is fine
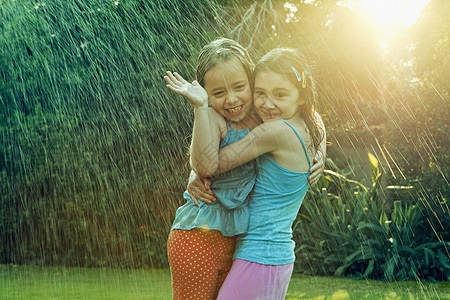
(259, 141)
(206, 133)
(205, 142)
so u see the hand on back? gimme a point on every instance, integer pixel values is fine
(193, 92)
(199, 189)
(317, 168)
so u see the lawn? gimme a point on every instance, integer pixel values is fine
(31, 282)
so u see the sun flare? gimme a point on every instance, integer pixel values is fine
(394, 12)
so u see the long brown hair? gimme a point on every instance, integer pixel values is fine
(294, 65)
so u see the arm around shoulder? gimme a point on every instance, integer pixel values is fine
(259, 141)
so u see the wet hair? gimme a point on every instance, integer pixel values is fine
(219, 51)
(293, 64)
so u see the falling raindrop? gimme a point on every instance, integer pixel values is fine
(93, 153)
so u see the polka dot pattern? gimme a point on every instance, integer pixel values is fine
(199, 262)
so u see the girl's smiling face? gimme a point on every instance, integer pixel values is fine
(229, 90)
(276, 97)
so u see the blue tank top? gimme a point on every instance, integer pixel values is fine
(230, 212)
(275, 202)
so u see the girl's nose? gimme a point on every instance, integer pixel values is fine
(232, 98)
(268, 103)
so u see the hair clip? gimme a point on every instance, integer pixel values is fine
(299, 77)
(222, 50)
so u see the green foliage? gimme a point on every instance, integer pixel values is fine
(353, 233)
(79, 203)
(93, 144)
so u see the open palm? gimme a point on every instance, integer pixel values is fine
(193, 92)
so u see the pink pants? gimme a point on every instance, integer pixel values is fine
(252, 281)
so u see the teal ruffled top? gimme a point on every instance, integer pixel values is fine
(230, 212)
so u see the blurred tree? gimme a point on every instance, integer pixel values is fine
(417, 90)
(431, 43)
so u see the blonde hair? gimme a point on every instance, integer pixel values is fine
(219, 51)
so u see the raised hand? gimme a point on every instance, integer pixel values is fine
(193, 92)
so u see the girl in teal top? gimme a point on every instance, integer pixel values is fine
(203, 237)
(229, 214)
(284, 97)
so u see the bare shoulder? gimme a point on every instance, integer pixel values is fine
(218, 121)
(280, 128)
(270, 128)
(285, 131)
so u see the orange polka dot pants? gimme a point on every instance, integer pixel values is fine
(199, 262)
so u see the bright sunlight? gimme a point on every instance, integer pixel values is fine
(394, 12)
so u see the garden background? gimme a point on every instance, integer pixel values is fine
(94, 146)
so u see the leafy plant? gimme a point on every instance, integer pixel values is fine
(352, 233)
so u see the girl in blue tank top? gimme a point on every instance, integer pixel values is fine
(284, 97)
(202, 239)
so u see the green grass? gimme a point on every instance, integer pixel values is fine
(333, 288)
(26, 282)
(30, 282)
